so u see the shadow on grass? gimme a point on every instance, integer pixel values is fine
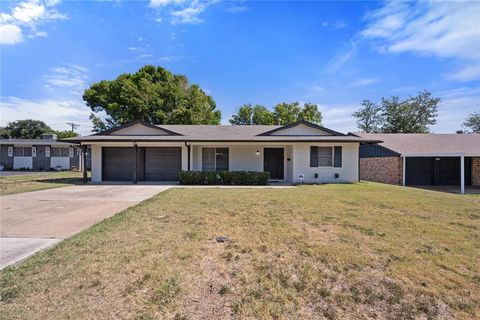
(72, 181)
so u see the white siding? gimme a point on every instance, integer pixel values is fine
(347, 173)
(139, 129)
(300, 130)
(22, 162)
(96, 163)
(62, 163)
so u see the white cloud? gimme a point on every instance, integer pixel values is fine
(339, 24)
(361, 82)
(447, 30)
(10, 34)
(181, 11)
(70, 76)
(27, 16)
(237, 9)
(342, 57)
(49, 111)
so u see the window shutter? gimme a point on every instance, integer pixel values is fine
(337, 157)
(313, 157)
(70, 152)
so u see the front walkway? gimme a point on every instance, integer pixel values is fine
(32, 221)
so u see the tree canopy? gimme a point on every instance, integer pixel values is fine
(31, 129)
(412, 115)
(283, 113)
(473, 122)
(152, 94)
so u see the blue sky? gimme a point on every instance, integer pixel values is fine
(331, 53)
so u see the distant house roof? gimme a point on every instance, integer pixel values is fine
(221, 133)
(47, 142)
(428, 143)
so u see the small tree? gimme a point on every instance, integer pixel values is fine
(369, 117)
(285, 113)
(473, 122)
(311, 113)
(244, 115)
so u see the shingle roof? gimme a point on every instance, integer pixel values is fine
(33, 142)
(219, 133)
(428, 143)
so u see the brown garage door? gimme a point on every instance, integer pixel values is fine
(118, 164)
(162, 164)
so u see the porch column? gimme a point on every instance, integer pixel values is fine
(404, 164)
(84, 163)
(462, 174)
(135, 148)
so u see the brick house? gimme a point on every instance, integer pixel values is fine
(421, 159)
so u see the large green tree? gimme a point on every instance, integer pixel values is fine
(473, 122)
(27, 129)
(152, 94)
(369, 117)
(283, 113)
(248, 114)
(412, 115)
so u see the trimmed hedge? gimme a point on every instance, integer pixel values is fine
(241, 178)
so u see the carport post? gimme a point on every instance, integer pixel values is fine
(462, 174)
(84, 163)
(404, 166)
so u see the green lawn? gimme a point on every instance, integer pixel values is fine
(354, 251)
(38, 181)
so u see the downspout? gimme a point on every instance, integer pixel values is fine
(188, 155)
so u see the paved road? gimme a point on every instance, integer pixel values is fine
(32, 221)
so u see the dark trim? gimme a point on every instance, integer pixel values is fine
(135, 177)
(216, 140)
(84, 153)
(146, 124)
(304, 122)
(373, 150)
(188, 156)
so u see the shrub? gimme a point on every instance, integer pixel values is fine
(224, 178)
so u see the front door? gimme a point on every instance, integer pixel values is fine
(273, 162)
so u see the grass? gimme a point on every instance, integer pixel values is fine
(38, 181)
(326, 252)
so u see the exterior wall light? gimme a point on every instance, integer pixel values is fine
(258, 152)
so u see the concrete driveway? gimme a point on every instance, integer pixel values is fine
(32, 221)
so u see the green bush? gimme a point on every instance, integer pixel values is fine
(245, 178)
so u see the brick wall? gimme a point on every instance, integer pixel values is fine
(476, 171)
(385, 169)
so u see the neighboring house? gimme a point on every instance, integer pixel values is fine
(39, 154)
(421, 159)
(299, 152)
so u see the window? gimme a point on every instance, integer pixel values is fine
(65, 152)
(321, 156)
(22, 151)
(56, 152)
(215, 159)
(34, 151)
(47, 151)
(10, 151)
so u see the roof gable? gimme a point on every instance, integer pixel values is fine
(139, 128)
(301, 128)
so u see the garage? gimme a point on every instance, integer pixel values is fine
(153, 164)
(118, 163)
(162, 164)
(436, 171)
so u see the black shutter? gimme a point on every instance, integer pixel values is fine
(337, 157)
(313, 157)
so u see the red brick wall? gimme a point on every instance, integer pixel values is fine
(385, 170)
(476, 171)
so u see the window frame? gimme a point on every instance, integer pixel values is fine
(332, 156)
(215, 166)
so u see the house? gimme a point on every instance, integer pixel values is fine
(299, 152)
(39, 154)
(421, 159)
